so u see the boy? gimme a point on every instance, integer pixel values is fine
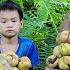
(10, 23)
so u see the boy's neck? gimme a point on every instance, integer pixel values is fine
(9, 41)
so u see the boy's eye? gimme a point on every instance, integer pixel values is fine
(3, 21)
(14, 21)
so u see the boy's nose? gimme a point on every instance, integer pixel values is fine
(10, 24)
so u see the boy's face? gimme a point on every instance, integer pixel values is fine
(10, 23)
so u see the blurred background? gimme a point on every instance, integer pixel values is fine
(42, 19)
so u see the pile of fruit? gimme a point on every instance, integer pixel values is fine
(10, 61)
(60, 59)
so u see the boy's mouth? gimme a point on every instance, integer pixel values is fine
(9, 30)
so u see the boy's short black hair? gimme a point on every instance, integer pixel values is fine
(9, 5)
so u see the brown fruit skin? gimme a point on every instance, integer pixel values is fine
(64, 49)
(24, 63)
(9, 58)
(12, 58)
(62, 65)
(54, 63)
(58, 41)
(14, 62)
(56, 51)
(2, 67)
(69, 39)
(14, 68)
(66, 59)
(3, 61)
(62, 37)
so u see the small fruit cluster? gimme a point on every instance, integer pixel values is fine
(60, 58)
(13, 62)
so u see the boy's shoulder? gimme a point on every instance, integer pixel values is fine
(25, 46)
(25, 40)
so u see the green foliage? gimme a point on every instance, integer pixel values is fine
(42, 19)
(2, 1)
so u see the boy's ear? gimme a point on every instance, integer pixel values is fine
(22, 23)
